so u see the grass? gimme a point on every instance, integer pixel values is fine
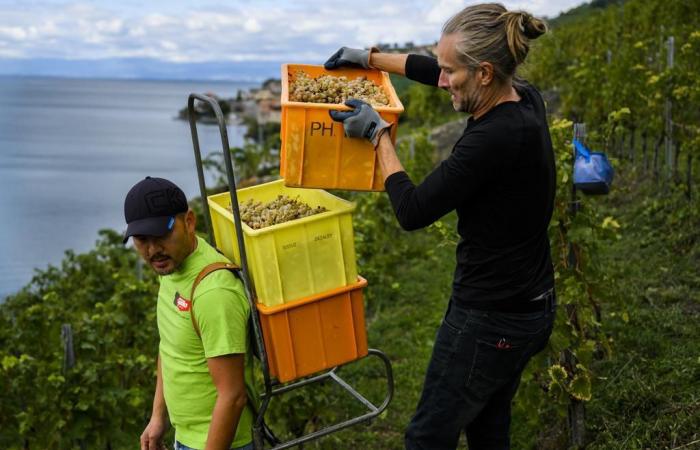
(645, 396)
(648, 393)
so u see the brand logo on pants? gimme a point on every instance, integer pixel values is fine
(503, 344)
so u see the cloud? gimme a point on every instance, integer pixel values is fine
(112, 26)
(246, 30)
(444, 9)
(13, 33)
(157, 21)
(252, 26)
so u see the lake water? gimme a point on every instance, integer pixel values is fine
(70, 149)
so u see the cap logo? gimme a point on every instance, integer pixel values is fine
(163, 202)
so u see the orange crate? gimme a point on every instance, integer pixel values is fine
(315, 333)
(315, 152)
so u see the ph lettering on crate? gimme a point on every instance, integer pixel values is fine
(289, 246)
(322, 237)
(316, 126)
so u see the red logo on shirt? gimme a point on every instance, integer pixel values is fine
(181, 302)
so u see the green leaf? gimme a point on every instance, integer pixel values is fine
(580, 387)
(82, 405)
(56, 379)
(8, 362)
(557, 374)
(610, 222)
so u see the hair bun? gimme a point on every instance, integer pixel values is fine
(532, 27)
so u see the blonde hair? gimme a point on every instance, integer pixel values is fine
(489, 32)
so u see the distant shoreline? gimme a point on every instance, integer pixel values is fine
(252, 82)
(133, 68)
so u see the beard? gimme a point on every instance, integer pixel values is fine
(163, 264)
(165, 272)
(470, 102)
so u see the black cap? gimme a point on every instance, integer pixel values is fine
(150, 207)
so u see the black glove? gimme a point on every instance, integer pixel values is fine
(361, 122)
(352, 57)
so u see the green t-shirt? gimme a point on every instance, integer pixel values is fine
(222, 313)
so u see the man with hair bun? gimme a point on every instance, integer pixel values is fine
(500, 178)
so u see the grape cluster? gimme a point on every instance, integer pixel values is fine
(330, 89)
(258, 215)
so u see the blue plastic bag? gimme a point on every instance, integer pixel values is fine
(593, 173)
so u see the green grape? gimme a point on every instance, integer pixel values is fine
(331, 89)
(258, 215)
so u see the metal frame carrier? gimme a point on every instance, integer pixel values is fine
(262, 435)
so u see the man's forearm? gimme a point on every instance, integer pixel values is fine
(227, 374)
(389, 62)
(386, 154)
(159, 409)
(224, 422)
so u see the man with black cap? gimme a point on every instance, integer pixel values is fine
(204, 371)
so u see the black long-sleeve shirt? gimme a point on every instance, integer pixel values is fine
(501, 180)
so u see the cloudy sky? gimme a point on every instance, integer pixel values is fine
(178, 31)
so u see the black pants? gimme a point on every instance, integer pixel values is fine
(473, 375)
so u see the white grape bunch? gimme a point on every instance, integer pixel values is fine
(331, 89)
(258, 215)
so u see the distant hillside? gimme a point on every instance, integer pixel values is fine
(582, 11)
(608, 58)
(570, 16)
(253, 71)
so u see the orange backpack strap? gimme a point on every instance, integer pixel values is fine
(213, 267)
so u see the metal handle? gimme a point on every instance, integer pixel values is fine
(249, 290)
(259, 427)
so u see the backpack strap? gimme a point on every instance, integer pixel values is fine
(213, 267)
(253, 400)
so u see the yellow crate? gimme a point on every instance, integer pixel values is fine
(315, 152)
(294, 259)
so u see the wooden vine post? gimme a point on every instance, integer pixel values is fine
(576, 409)
(668, 114)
